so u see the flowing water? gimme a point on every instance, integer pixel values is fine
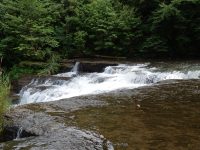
(161, 117)
(113, 78)
(19, 132)
(150, 105)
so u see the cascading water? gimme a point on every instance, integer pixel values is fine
(76, 67)
(73, 72)
(19, 132)
(113, 78)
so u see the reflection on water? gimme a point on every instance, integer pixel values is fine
(165, 116)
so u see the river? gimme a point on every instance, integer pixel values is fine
(151, 105)
(122, 76)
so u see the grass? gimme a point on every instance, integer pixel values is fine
(4, 97)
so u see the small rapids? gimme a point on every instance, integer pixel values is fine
(113, 78)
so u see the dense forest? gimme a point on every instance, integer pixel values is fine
(45, 32)
(48, 30)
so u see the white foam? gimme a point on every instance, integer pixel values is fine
(113, 78)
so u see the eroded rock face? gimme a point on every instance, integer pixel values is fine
(69, 138)
(17, 85)
(50, 130)
(92, 65)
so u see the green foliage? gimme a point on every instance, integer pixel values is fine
(4, 97)
(110, 29)
(28, 28)
(177, 23)
(17, 71)
(52, 65)
(153, 45)
(42, 29)
(79, 40)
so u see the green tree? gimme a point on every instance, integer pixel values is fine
(177, 24)
(67, 26)
(42, 29)
(28, 28)
(111, 30)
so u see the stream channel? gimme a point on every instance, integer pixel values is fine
(134, 106)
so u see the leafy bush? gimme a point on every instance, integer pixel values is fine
(16, 72)
(34, 30)
(52, 66)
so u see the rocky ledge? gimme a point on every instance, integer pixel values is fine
(45, 126)
(86, 65)
(42, 128)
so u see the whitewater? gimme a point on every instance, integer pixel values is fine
(112, 78)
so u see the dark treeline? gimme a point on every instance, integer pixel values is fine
(46, 30)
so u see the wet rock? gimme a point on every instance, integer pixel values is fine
(12, 133)
(42, 120)
(69, 138)
(14, 98)
(94, 67)
(163, 116)
(35, 118)
(91, 65)
(17, 85)
(145, 111)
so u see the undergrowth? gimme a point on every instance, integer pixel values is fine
(4, 97)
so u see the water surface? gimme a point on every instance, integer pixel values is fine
(160, 117)
(113, 78)
(150, 105)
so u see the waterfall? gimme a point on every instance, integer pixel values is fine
(72, 73)
(113, 78)
(76, 67)
(19, 132)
